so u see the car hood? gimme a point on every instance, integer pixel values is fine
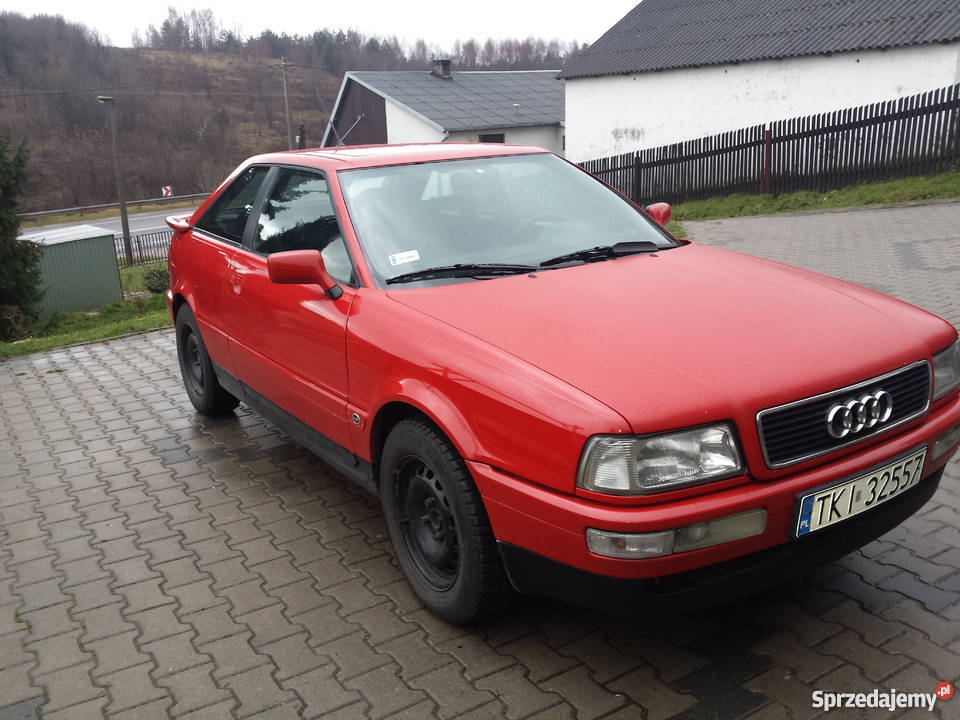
(688, 335)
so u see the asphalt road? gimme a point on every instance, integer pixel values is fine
(139, 223)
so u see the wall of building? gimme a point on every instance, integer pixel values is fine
(358, 100)
(617, 114)
(405, 127)
(549, 137)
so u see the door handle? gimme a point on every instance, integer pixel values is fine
(233, 276)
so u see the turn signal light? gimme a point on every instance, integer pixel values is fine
(683, 539)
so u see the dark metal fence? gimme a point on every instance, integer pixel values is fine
(147, 248)
(910, 136)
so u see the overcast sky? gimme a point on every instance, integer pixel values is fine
(438, 23)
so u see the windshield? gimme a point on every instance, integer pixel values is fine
(516, 209)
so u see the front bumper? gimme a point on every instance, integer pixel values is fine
(552, 525)
(722, 582)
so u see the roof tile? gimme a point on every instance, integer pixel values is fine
(474, 100)
(669, 34)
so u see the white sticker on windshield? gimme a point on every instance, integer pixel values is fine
(404, 257)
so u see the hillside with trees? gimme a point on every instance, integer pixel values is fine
(193, 99)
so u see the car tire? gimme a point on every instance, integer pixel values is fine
(199, 378)
(438, 524)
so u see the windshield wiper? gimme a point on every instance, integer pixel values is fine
(462, 270)
(603, 252)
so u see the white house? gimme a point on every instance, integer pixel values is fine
(674, 70)
(521, 107)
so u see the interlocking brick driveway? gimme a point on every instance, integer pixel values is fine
(154, 563)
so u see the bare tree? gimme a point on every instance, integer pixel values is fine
(191, 112)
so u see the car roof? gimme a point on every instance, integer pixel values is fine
(360, 156)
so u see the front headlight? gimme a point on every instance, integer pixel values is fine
(625, 465)
(946, 370)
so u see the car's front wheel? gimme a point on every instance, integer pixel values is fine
(199, 378)
(438, 525)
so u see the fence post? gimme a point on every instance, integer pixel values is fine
(767, 143)
(635, 190)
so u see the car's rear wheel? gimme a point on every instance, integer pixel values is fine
(438, 525)
(199, 378)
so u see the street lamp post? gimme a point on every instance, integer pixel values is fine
(124, 223)
(286, 101)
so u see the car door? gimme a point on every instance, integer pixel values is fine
(289, 341)
(209, 257)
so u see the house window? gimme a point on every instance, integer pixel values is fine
(492, 137)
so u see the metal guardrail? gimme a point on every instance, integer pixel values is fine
(82, 208)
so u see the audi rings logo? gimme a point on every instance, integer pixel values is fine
(854, 416)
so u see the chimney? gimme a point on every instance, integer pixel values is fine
(441, 68)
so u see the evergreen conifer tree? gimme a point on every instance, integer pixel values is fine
(20, 290)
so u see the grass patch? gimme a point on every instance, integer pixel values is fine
(109, 321)
(27, 223)
(131, 278)
(921, 187)
(676, 229)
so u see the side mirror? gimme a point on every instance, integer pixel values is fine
(660, 212)
(179, 223)
(302, 267)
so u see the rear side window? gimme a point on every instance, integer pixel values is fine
(228, 215)
(298, 214)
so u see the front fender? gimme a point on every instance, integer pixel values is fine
(494, 407)
(436, 406)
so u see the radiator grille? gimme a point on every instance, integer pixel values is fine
(798, 430)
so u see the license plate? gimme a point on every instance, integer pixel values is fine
(828, 507)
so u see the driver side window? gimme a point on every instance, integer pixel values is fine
(298, 214)
(227, 217)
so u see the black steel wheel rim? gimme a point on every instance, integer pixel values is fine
(192, 362)
(428, 528)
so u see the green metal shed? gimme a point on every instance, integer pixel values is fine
(78, 268)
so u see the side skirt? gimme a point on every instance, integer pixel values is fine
(338, 457)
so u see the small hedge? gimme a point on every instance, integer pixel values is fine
(156, 280)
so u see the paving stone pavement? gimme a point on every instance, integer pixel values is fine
(911, 252)
(154, 563)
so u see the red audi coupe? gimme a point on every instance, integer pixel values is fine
(545, 388)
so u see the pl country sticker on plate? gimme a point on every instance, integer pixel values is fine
(401, 258)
